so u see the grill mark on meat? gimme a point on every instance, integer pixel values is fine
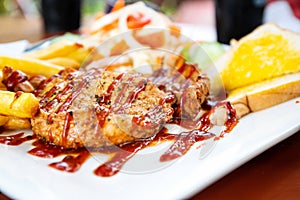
(49, 94)
(103, 112)
(67, 103)
(43, 84)
(132, 96)
(110, 89)
(46, 104)
(76, 90)
(58, 97)
(116, 106)
(141, 86)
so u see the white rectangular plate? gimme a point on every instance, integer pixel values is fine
(23, 176)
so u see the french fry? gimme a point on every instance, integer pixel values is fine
(80, 55)
(17, 123)
(58, 49)
(3, 120)
(30, 66)
(65, 62)
(22, 105)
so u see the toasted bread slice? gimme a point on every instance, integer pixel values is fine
(267, 52)
(265, 94)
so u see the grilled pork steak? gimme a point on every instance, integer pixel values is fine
(99, 108)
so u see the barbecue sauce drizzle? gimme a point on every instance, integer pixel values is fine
(102, 111)
(120, 154)
(14, 79)
(16, 139)
(43, 84)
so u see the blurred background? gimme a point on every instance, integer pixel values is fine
(26, 14)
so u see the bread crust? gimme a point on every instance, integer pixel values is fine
(265, 94)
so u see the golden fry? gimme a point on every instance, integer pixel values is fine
(65, 62)
(23, 105)
(17, 123)
(3, 120)
(30, 66)
(58, 49)
(80, 55)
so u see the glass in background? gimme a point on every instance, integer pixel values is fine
(61, 15)
(236, 18)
